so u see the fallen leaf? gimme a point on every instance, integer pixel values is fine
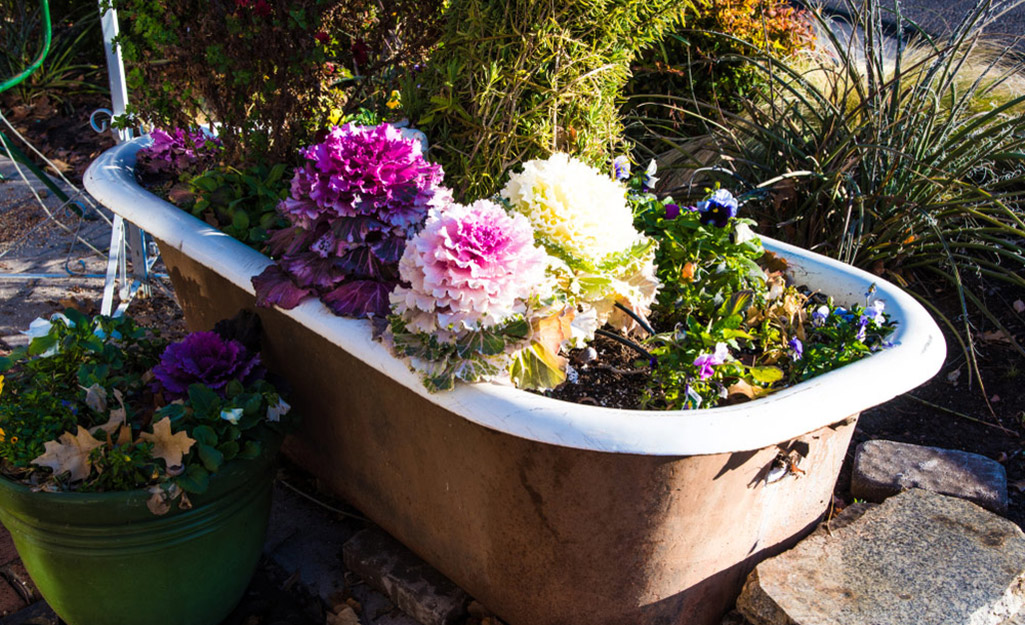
(69, 454)
(994, 399)
(158, 503)
(1018, 486)
(117, 418)
(166, 446)
(345, 616)
(741, 389)
(1019, 306)
(96, 398)
(85, 306)
(995, 336)
(555, 329)
(773, 262)
(953, 376)
(687, 273)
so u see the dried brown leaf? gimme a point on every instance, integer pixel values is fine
(167, 446)
(69, 454)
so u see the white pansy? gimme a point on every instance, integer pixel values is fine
(232, 416)
(278, 410)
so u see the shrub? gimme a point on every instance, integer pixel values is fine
(905, 158)
(513, 81)
(706, 60)
(271, 72)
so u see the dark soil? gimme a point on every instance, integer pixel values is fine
(60, 131)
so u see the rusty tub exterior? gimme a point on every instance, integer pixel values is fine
(548, 513)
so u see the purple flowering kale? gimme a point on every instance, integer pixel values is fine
(361, 193)
(204, 358)
(178, 151)
(718, 209)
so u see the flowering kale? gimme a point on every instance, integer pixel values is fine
(361, 193)
(179, 151)
(718, 209)
(472, 267)
(205, 358)
(471, 272)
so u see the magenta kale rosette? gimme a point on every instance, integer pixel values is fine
(363, 191)
(177, 151)
(204, 358)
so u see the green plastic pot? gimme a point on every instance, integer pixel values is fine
(105, 559)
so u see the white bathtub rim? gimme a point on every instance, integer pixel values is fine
(918, 353)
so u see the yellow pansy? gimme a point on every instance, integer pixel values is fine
(393, 100)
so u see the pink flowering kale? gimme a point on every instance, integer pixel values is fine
(471, 267)
(181, 150)
(472, 272)
(361, 193)
(204, 358)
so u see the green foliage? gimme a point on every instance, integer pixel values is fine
(78, 412)
(475, 356)
(271, 72)
(523, 79)
(242, 203)
(723, 294)
(706, 60)
(72, 65)
(43, 396)
(910, 157)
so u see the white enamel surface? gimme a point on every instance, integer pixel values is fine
(917, 355)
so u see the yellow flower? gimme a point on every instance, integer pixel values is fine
(1, 385)
(2, 435)
(393, 100)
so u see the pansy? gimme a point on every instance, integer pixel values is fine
(649, 175)
(718, 209)
(278, 410)
(875, 312)
(797, 347)
(621, 167)
(232, 415)
(818, 317)
(706, 363)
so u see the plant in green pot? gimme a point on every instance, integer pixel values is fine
(137, 475)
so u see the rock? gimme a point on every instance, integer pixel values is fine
(413, 585)
(919, 558)
(884, 468)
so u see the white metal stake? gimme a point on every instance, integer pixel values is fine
(136, 238)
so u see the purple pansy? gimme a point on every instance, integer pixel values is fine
(706, 363)
(718, 209)
(621, 167)
(797, 347)
(204, 358)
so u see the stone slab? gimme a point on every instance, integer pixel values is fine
(306, 540)
(884, 468)
(413, 585)
(919, 558)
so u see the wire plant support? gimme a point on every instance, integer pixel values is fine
(126, 239)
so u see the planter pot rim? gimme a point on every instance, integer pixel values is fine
(917, 355)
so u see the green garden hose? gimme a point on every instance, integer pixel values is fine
(44, 5)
